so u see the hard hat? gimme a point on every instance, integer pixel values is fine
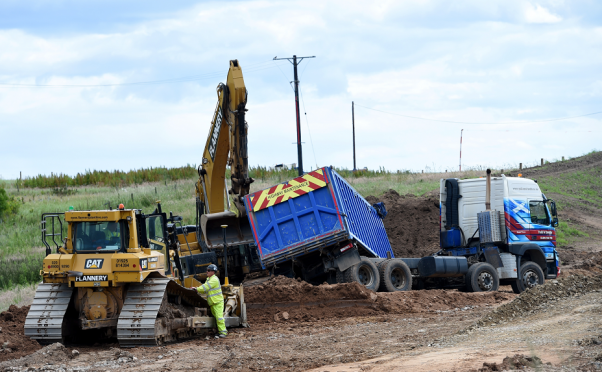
(212, 267)
(121, 207)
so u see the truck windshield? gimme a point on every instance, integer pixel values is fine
(97, 236)
(539, 213)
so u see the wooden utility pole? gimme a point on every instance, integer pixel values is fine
(295, 61)
(353, 126)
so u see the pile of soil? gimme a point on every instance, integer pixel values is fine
(13, 342)
(591, 263)
(412, 223)
(292, 300)
(539, 296)
(518, 361)
(51, 355)
(284, 289)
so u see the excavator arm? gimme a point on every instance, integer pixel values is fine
(226, 145)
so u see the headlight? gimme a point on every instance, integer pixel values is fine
(549, 256)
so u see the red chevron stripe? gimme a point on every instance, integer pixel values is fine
(278, 199)
(300, 192)
(318, 176)
(264, 204)
(313, 186)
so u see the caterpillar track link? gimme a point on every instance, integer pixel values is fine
(46, 321)
(147, 317)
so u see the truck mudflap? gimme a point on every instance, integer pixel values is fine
(46, 317)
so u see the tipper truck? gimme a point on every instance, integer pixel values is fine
(319, 228)
(494, 231)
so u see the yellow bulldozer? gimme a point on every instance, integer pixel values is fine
(122, 273)
(116, 273)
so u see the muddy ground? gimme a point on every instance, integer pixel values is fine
(344, 327)
(558, 327)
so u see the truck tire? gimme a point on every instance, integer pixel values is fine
(482, 277)
(340, 276)
(530, 275)
(366, 273)
(395, 276)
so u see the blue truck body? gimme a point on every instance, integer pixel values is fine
(313, 212)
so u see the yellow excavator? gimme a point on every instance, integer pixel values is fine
(222, 227)
(122, 273)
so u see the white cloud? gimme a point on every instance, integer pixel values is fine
(470, 61)
(535, 13)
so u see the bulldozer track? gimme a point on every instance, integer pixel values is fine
(139, 324)
(136, 325)
(45, 319)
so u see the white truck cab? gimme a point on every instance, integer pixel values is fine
(526, 225)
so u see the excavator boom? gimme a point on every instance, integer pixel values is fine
(226, 145)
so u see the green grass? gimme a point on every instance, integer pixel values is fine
(21, 248)
(566, 234)
(580, 188)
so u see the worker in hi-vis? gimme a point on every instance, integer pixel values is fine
(215, 299)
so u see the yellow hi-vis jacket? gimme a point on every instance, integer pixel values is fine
(213, 288)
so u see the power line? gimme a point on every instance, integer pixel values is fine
(482, 123)
(295, 61)
(313, 150)
(283, 74)
(208, 76)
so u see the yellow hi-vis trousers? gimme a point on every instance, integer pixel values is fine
(217, 310)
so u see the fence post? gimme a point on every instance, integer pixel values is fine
(520, 166)
(155, 190)
(542, 161)
(132, 196)
(563, 158)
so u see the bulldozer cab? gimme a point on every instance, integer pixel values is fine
(100, 236)
(153, 232)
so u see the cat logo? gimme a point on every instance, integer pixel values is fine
(143, 264)
(94, 263)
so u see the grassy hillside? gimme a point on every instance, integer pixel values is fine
(576, 184)
(21, 248)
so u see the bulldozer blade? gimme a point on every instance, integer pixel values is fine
(238, 230)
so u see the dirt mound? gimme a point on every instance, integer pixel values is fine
(539, 296)
(13, 342)
(592, 263)
(412, 223)
(51, 355)
(288, 300)
(518, 361)
(283, 289)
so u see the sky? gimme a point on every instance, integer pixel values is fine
(111, 85)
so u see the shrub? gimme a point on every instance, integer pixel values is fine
(8, 204)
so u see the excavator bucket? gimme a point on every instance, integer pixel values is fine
(238, 230)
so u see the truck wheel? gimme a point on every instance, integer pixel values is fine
(530, 276)
(395, 276)
(340, 276)
(482, 277)
(365, 273)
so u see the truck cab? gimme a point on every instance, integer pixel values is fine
(526, 221)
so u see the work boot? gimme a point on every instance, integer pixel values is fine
(222, 336)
